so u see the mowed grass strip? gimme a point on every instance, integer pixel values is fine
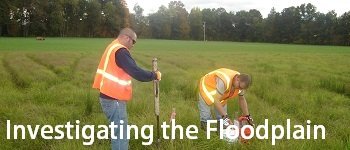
(24, 71)
(297, 82)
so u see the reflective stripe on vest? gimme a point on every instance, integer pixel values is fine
(226, 78)
(109, 76)
(110, 79)
(211, 93)
(207, 93)
(113, 78)
(208, 87)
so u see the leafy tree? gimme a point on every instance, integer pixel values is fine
(308, 25)
(343, 29)
(93, 17)
(291, 25)
(104, 18)
(210, 20)
(324, 28)
(140, 22)
(5, 9)
(39, 18)
(110, 20)
(271, 27)
(224, 24)
(196, 24)
(243, 25)
(56, 20)
(121, 14)
(160, 23)
(327, 29)
(179, 20)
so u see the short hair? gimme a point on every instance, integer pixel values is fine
(245, 78)
(127, 31)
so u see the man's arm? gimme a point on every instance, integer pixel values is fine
(128, 64)
(218, 106)
(220, 89)
(243, 105)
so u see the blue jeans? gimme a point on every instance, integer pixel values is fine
(115, 110)
(204, 110)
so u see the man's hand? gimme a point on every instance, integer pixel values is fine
(226, 121)
(159, 75)
(248, 118)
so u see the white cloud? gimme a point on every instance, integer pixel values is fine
(264, 6)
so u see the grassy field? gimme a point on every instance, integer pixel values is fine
(49, 82)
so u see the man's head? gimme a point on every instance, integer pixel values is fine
(127, 37)
(242, 81)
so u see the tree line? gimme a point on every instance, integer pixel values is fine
(76, 18)
(104, 18)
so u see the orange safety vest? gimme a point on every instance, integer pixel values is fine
(207, 85)
(110, 79)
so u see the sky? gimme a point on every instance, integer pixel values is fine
(264, 6)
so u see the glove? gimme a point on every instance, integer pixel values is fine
(159, 75)
(249, 119)
(226, 121)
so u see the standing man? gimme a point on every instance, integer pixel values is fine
(215, 88)
(113, 80)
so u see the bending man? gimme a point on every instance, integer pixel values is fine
(215, 88)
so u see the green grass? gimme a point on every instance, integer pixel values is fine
(49, 82)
